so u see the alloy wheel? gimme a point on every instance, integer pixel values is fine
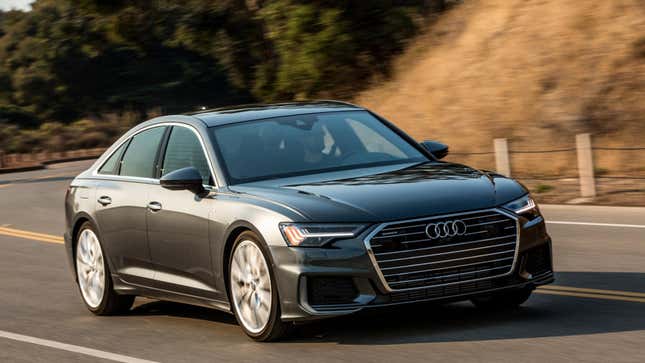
(251, 286)
(90, 268)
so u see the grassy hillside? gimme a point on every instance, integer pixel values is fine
(536, 72)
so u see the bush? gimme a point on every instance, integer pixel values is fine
(543, 188)
(66, 60)
(17, 116)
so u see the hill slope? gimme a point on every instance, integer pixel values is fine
(536, 72)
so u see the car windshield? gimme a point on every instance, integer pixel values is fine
(308, 144)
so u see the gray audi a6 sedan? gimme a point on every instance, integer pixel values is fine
(291, 212)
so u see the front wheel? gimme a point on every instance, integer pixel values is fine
(503, 300)
(93, 275)
(253, 294)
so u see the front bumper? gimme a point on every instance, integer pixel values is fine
(349, 275)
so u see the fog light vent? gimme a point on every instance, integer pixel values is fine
(331, 290)
(538, 260)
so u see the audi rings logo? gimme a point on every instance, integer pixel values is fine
(446, 229)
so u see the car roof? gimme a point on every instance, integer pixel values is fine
(227, 115)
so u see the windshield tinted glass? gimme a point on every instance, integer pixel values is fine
(307, 144)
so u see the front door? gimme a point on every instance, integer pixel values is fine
(178, 222)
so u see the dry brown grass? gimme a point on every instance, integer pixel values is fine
(537, 72)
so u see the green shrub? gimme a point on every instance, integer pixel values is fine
(543, 188)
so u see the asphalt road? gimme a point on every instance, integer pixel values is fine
(595, 312)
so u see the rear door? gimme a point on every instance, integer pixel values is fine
(178, 229)
(122, 198)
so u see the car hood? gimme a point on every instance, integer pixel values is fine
(397, 193)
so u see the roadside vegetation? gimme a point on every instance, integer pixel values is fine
(76, 73)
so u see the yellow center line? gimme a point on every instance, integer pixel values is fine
(593, 291)
(4, 185)
(592, 296)
(31, 235)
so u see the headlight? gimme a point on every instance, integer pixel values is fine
(317, 235)
(522, 205)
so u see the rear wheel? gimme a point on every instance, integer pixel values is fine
(503, 300)
(253, 293)
(93, 275)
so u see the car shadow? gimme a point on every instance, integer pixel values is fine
(168, 308)
(544, 315)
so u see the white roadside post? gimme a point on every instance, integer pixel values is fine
(585, 166)
(502, 161)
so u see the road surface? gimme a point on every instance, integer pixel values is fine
(595, 312)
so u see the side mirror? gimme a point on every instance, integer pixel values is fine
(187, 178)
(439, 150)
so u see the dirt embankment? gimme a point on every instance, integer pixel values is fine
(535, 72)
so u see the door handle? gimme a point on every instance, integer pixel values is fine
(105, 200)
(154, 206)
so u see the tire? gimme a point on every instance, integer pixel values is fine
(93, 275)
(503, 300)
(252, 290)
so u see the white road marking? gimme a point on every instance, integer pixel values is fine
(72, 348)
(598, 224)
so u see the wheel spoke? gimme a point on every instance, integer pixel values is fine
(93, 251)
(237, 276)
(241, 294)
(256, 319)
(83, 250)
(263, 295)
(255, 261)
(246, 312)
(82, 265)
(263, 311)
(237, 266)
(101, 279)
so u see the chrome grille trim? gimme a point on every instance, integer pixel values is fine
(450, 260)
(401, 234)
(447, 268)
(391, 226)
(444, 276)
(436, 247)
(485, 223)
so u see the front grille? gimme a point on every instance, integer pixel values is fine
(408, 258)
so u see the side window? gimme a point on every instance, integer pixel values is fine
(111, 165)
(139, 158)
(184, 150)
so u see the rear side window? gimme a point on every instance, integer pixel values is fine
(184, 150)
(111, 166)
(139, 158)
